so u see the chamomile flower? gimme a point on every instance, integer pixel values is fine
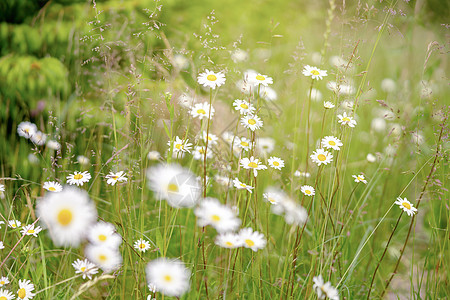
(78, 178)
(212, 138)
(211, 79)
(4, 281)
(324, 290)
(108, 259)
(252, 164)
(31, 230)
(26, 129)
(175, 184)
(14, 224)
(346, 120)
(38, 138)
(221, 217)
(115, 177)
(67, 215)
(85, 267)
(228, 240)
(276, 162)
(240, 185)
(52, 144)
(142, 245)
(268, 93)
(83, 160)
(202, 110)
(242, 143)
(252, 239)
(199, 153)
(256, 79)
(104, 234)
(294, 213)
(321, 156)
(251, 122)
(407, 206)
(53, 186)
(25, 290)
(6, 295)
(308, 190)
(180, 145)
(169, 276)
(331, 142)
(273, 195)
(328, 105)
(360, 178)
(243, 107)
(314, 72)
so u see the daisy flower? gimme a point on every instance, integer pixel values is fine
(268, 93)
(212, 138)
(26, 129)
(252, 164)
(324, 290)
(274, 195)
(78, 178)
(38, 138)
(52, 144)
(175, 184)
(243, 107)
(407, 206)
(180, 145)
(202, 110)
(83, 160)
(6, 295)
(221, 217)
(314, 72)
(104, 234)
(331, 142)
(228, 240)
(256, 79)
(4, 281)
(276, 162)
(25, 290)
(211, 79)
(14, 224)
(169, 276)
(308, 190)
(321, 156)
(360, 178)
(2, 187)
(242, 143)
(154, 155)
(108, 259)
(31, 230)
(265, 145)
(142, 245)
(68, 215)
(115, 177)
(85, 267)
(52, 186)
(252, 122)
(199, 153)
(252, 239)
(346, 120)
(240, 185)
(328, 105)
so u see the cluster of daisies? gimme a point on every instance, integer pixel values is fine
(30, 131)
(25, 291)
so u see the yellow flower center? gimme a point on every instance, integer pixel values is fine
(260, 77)
(102, 237)
(321, 157)
(51, 189)
(115, 177)
(82, 269)
(315, 72)
(253, 165)
(142, 246)
(168, 278)
(229, 244)
(3, 298)
(172, 187)
(179, 146)
(243, 185)
(201, 111)
(251, 122)
(346, 119)
(249, 243)
(2, 282)
(272, 200)
(22, 293)
(332, 143)
(77, 176)
(308, 192)
(102, 257)
(201, 151)
(31, 231)
(406, 205)
(65, 217)
(244, 106)
(215, 218)
(245, 144)
(276, 164)
(211, 77)
(13, 225)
